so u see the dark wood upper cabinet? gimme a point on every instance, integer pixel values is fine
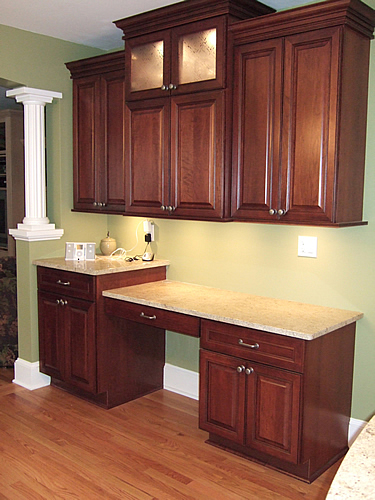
(185, 59)
(225, 110)
(174, 155)
(98, 133)
(176, 108)
(181, 48)
(299, 114)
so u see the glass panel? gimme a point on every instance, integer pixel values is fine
(147, 66)
(197, 56)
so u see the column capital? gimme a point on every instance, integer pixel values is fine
(35, 96)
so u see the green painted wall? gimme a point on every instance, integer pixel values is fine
(38, 61)
(253, 258)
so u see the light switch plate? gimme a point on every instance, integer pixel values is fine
(307, 246)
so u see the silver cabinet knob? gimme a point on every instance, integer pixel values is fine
(61, 302)
(240, 368)
(281, 211)
(164, 87)
(249, 371)
(171, 86)
(272, 211)
(163, 207)
(94, 203)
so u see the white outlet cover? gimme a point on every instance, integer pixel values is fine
(307, 246)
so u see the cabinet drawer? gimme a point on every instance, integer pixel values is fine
(160, 318)
(64, 282)
(254, 345)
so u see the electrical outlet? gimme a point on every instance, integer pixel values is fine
(148, 228)
(307, 246)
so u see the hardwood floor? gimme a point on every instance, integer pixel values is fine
(56, 446)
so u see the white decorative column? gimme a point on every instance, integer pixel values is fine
(35, 225)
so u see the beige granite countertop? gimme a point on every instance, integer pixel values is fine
(355, 478)
(101, 265)
(293, 319)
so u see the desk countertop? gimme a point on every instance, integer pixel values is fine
(355, 476)
(101, 265)
(283, 317)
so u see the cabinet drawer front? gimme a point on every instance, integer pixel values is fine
(67, 283)
(159, 318)
(246, 343)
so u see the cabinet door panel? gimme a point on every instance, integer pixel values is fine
(221, 397)
(147, 62)
(198, 56)
(147, 158)
(197, 154)
(80, 343)
(309, 125)
(51, 336)
(86, 117)
(112, 184)
(273, 407)
(256, 128)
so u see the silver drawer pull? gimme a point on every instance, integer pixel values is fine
(251, 346)
(65, 283)
(143, 315)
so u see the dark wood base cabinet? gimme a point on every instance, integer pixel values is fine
(88, 353)
(282, 401)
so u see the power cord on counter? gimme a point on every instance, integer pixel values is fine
(121, 253)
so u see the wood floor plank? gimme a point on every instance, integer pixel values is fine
(56, 446)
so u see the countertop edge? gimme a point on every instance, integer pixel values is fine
(82, 267)
(354, 478)
(233, 321)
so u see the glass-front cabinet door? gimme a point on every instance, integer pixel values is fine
(148, 62)
(176, 61)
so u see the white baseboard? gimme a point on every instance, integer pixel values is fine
(186, 383)
(182, 381)
(355, 427)
(176, 379)
(27, 375)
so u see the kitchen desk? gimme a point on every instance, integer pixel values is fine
(282, 317)
(275, 375)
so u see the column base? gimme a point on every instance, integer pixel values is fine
(27, 374)
(36, 232)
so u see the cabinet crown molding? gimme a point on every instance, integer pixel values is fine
(352, 13)
(187, 12)
(106, 63)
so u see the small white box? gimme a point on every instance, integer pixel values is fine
(79, 251)
(307, 246)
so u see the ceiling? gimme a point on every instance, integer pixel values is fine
(87, 22)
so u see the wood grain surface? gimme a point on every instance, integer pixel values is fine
(56, 446)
